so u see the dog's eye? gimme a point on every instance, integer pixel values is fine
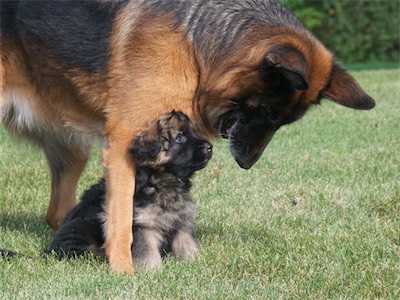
(180, 139)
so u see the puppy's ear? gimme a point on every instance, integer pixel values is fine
(147, 145)
(344, 90)
(290, 64)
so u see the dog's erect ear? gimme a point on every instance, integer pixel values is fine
(147, 145)
(290, 63)
(344, 90)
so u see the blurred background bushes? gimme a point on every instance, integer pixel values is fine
(356, 31)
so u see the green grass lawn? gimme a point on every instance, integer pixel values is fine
(317, 217)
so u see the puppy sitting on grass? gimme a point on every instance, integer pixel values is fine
(167, 153)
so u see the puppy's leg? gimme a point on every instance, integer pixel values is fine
(185, 245)
(76, 237)
(66, 166)
(120, 186)
(146, 249)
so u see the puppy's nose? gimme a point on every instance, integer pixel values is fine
(207, 148)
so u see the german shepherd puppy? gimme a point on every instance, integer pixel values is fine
(72, 70)
(167, 153)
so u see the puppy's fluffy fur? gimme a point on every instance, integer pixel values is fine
(167, 153)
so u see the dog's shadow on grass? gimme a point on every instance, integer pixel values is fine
(25, 223)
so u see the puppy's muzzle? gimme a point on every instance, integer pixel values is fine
(207, 150)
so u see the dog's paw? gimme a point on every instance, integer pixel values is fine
(121, 266)
(120, 262)
(119, 257)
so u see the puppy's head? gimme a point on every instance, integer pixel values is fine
(170, 142)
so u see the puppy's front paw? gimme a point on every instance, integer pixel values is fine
(185, 246)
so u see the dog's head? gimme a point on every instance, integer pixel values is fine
(269, 87)
(170, 142)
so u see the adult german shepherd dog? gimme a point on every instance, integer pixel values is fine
(167, 153)
(71, 70)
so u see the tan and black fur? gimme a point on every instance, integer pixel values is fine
(167, 153)
(74, 70)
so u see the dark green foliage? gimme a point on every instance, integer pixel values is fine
(356, 31)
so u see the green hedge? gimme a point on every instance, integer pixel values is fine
(356, 31)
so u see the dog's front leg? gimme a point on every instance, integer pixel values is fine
(120, 186)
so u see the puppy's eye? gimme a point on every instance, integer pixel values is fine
(180, 139)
